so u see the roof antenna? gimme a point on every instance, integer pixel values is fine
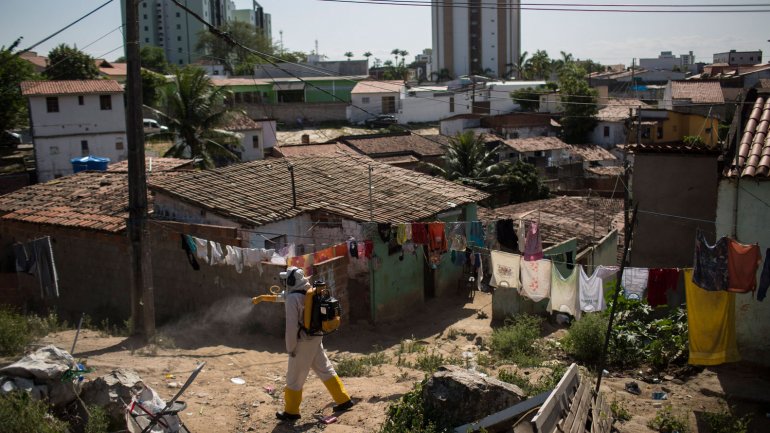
(293, 189)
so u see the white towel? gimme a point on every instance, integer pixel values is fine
(505, 269)
(234, 257)
(217, 256)
(535, 279)
(635, 282)
(255, 256)
(201, 248)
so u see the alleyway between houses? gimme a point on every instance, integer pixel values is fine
(448, 327)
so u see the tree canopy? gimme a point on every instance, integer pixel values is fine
(13, 70)
(69, 63)
(234, 58)
(196, 111)
(579, 101)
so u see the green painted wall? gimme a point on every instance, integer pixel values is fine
(340, 88)
(752, 318)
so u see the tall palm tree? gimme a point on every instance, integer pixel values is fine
(395, 53)
(348, 54)
(521, 66)
(468, 160)
(195, 112)
(403, 53)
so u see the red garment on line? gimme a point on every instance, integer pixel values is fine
(420, 233)
(659, 282)
(742, 264)
(437, 237)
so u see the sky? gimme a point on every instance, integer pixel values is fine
(608, 38)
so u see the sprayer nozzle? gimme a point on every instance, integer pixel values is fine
(255, 300)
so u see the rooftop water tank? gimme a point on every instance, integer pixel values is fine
(89, 162)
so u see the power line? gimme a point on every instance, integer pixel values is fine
(565, 7)
(63, 28)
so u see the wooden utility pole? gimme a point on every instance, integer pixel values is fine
(142, 294)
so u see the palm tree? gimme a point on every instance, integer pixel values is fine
(468, 160)
(367, 55)
(348, 54)
(403, 53)
(395, 53)
(521, 66)
(195, 112)
(540, 65)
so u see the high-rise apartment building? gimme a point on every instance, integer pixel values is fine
(255, 16)
(164, 24)
(476, 37)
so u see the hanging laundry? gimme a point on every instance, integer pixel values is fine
(710, 263)
(303, 262)
(476, 234)
(384, 231)
(438, 241)
(393, 246)
(764, 280)
(521, 231)
(368, 249)
(189, 247)
(341, 250)
(401, 235)
(536, 279)
(457, 257)
(533, 246)
(217, 255)
(280, 257)
(479, 266)
(564, 293)
(634, 282)
(410, 248)
(353, 248)
(255, 256)
(201, 249)
(505, 269)
(44, 267)
(234, 257)
(660, 282)
(711, 323)
(420, 233)
(742, 264)
(24, 259)
(506, 235)
(591, 289)
(490, 236)
(457, 240)
(323, 255)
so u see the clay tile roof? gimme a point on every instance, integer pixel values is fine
(152, 164)
(516, 120)
(391, 144)
(239, 121)
(754, 151)
(90, 200)
(564, 218)
(69, 87)
(591, 152)
(260, 192)
(617, 110)
(615, 170)
(113, 69)
(698, 92)
(535, 144)
(372, 86)
(320, 149)
(764, 83)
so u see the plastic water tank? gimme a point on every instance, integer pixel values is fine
(89, 162)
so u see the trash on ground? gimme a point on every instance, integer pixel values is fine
(237, 381)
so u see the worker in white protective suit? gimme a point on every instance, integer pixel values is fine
(305, 352)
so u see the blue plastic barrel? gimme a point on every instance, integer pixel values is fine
(89, 162)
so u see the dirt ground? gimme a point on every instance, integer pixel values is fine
(449, 327)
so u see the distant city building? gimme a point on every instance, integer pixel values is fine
(668, 61)
(739, 58)
(164, 24)
(469, 38)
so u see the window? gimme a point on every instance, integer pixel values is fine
(388, 104)
(52, 104)
(146, 29)
(178, 15)
(276, 243)
(255, 141)
(179, 49)
(144, 4)
(118, 144)
(105, 101)
(451, 104)
(145, 16)
(659, 134)
(84, 147)
(646, 132)
(365, 100)
(606, 131)
(81, 100)
(179, 27)
(180, 61)
(147, 39)
(179, 38)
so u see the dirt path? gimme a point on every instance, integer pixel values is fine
(450, 328)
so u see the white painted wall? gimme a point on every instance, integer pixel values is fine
(617, 134)
(453, 127)
(374, 105)
(461, 61)
(489, 41)
(424, 106)
(53, 155)
(266, 141)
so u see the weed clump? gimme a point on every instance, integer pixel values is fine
(407, 415)
(516, 341)
(585, 338)
(21, 413)
(725, 422)
(361, 366)
(668, 421)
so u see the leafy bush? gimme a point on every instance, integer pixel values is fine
(725, 422)
(98, 420)
(407, 415)
(430, 362)
(547, 381)
(516, 341)
(585, 338)
(22, 414)
(14, 332)
(666, 421)
(620, 411)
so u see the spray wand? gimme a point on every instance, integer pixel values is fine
(276, 295)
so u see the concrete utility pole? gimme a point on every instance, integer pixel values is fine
(142, 294)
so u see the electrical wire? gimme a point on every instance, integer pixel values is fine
(566, 8)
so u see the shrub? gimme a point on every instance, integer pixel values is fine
(362, 366)
(516, 341)
(407, 415)
(14, 332)
(585, 338)
(430, 362)
(547, 382)
(22, 414)
(666, 421)
(620, 411)
(98, 420)
(725, 422)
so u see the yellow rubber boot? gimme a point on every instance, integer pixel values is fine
(340, 396)
(292, 399)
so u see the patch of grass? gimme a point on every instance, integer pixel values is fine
(22, 414)
(484, 360)
(361, 366)
(98, 420)
(585, 339)
(452, 333)
(516, 341)
(410, 346)
(407, 415)
(430, 362)
(725, 422)
(668, 421)
(14, 332)
(620, 411)
(547, 382)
